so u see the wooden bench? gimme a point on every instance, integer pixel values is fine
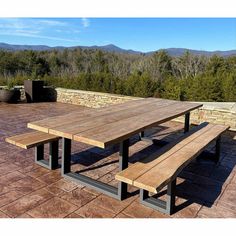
(153, 173)
(38, 139)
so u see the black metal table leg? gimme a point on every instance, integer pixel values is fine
(53, 154)
(123, 164)
(187, 122)
(66, 156)
(119, 193)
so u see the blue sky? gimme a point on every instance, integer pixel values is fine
(142, 34)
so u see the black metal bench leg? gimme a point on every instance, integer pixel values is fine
(170, 202)
(123, 164)
(66, 156)
(52, 163)
(39, 153)
(217, 149)
(53, 155)
(167, 206)
(143, 194)
(187, 122)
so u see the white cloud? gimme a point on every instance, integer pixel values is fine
(85, 22)
(33, 35)
(13, 23)
(52, 22)
(38, 28)
(27, 31)
(21, 23)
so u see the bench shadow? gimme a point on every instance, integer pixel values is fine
(201, 182)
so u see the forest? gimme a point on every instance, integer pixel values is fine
(188, 77)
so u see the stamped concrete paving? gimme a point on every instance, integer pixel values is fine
(28, 190)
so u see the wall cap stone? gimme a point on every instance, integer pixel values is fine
(219, 106)
(96, 93)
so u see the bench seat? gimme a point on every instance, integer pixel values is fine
(31, 139)
(156, 171)
(37, 139)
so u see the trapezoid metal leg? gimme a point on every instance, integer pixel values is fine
(53, 154)
(186, 122)
(66, 156)
(167, 206)
(119, 193)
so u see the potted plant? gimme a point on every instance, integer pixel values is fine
(33, 90)
(9, 93)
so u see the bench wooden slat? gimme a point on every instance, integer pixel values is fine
(154, 172)
(31, 139)
(115, 132)
(166, 171)
(68, 130)
(139, 168)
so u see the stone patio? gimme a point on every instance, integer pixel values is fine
(204, 190)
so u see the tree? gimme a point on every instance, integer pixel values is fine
(160, 65)
(229, 87)
(189, 77)
(215, 64)
(188, 65)
(171, 88)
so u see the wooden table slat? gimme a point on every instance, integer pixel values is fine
(112, 133)
(45, 124)
(68, 130)
(105, 126)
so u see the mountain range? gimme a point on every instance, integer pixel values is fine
(114, 48)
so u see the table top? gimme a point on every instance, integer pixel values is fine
(110, 125)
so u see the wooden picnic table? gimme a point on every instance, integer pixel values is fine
(106, 126)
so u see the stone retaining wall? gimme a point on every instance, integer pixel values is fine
(90, 99)
(214, 112)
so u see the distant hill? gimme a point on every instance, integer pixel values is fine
(108, 48)
(114, 48)
(181, 51)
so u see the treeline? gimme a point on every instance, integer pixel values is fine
(188, 77)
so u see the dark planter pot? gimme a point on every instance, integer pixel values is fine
(10, 96)
(33, 90)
